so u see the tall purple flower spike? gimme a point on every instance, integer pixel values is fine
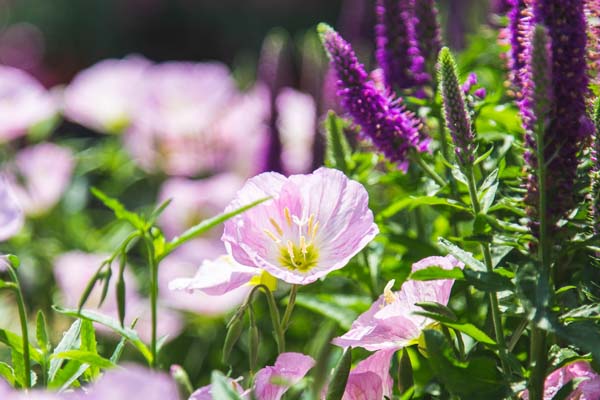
(427, 31)
(393, 130)
(519, 16)
(398, 52)
(568, 125)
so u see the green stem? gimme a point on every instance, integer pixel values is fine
(416, 157)
(23, 321)
(285, 321)
(153, 265)
(274, 311)
(487, 257)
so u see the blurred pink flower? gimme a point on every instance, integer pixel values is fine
(297, 125)
(40, 175)
(206, 393)
(24, 102)
(218, 287)
(390, 322)
(192, 119)
(72, 272)
(588, 389)
(195, 200)
(130, 382)
(313, 224)
(271, 382)
(11, 214)
(371, 378)
(104, 96)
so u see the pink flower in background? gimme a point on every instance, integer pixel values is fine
(217, 287)
(130, 382)
(270, 383)
(297, 127)
(390, 322)
(39, 176)
(104, 96)
(72, 272)
(371, 378)
(588, 389)
(314, 224)
(11, 214)
(24, 102)
(195, 200)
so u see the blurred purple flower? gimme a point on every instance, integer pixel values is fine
(206, 393)
(390, 322)
(22, 46)
(191, 119)
(371, 378)
(519, 25)
(393, 130)
(104, 96)
(39, 176)
(11, 214)
(72, 272)
(398, 52)
(587, 389)
(297, 120)
(130, 382)
(427, 31)
(195, 200)
(24, 103)
(312, 225)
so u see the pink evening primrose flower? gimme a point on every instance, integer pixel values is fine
(39, 176)
(587, 389)
(24, 102)
(270, 382)
(390, 322)
(312, 225)
(371, 378)
(103, 96)
(11, 214)
(297, 125)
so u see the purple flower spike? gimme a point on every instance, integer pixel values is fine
(595, 172)
(519, 17)
(398, 53)
(393, 130)
(427, 31)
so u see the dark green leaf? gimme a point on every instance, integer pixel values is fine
(69, 341)
(87, 357)
(340, 376)
(461, 255)
(15, 342)
(119, 210)
(41, 333)
(338, 153)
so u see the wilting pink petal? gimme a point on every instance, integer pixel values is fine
(297, 127)
(73, 271)
(132, 382)
(313, 224)
(272, 382)
(40, 175)
(11, 214)
(24, 102)
(371, 378)
(588, 389)
(205, 392)
(390, 323)
(219, 294)
(195, 200)
(104, 96)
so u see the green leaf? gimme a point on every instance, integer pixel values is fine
(68, 374)
(413, 202)
(461, 255)
(484, 156)
(439, 309)
(116, 355)
(464, 327)
(94, 316)
(338, 154)
(488, 197)
(435, 272)
(83, 356)
(88, 343)
(69, 341)
(41, 333)
(119, 209)
(340, 376)
(336, 307)
(585, 312)
(8, 373)
(19, 370)
(205, 226)
(488, 281)
(221, 388)
(15, 342)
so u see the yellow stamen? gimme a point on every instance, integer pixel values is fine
(276, 226)
(314, 231)
(310, 224)
(290, 249)
(272, 235)
(288, 217)
(303, 246)
(388, 296)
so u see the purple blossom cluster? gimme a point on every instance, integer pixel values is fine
(393, 130)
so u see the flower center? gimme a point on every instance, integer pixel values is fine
(297, 250)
